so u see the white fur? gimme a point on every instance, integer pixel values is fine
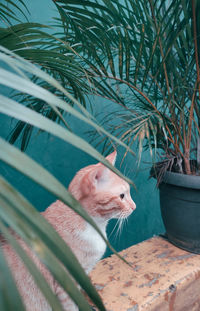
(95, 242)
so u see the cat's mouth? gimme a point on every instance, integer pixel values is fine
(116, 211)
(104, 212)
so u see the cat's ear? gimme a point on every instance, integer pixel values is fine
(112, 157)
(99, 176)
(95, 179)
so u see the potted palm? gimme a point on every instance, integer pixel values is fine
(145, 56)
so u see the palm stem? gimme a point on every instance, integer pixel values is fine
(195, 45)
(161, 48)
(170, 138)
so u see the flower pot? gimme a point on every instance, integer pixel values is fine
(180, 209)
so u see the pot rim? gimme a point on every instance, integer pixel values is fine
(181, 180)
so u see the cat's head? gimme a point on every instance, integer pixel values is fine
(101, 192)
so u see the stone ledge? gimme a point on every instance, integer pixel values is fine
(162, 278)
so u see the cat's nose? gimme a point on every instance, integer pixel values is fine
(133, 206)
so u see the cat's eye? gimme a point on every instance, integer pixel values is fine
(121, 195)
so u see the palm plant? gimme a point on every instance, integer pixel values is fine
(36, 42)
(17, 212)
(41, 101)
(144, 55)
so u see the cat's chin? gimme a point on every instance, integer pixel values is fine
(121, 215)
(127, 213)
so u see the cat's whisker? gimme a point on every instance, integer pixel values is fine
(116, 232)
(126, 222)
(120, 226)
(115, 226)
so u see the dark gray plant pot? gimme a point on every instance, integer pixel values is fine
(180, 209)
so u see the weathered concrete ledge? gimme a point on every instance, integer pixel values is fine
(162, 277)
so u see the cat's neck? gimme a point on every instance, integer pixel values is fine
(64, 218)
(100, 222)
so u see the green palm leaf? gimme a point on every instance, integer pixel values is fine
(39, 228)
(21, 226)
(8, 289)
(10, 9)
(152, 43)
(15, 210)
(39, 279)
(26, 86)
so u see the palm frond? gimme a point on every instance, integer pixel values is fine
(8, 288)
(15, 210)
(9, 11)
(149, 48)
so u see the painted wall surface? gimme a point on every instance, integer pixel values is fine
(63, 161)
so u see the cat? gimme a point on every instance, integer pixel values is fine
(104, 195)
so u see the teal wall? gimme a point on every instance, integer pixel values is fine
(63, 161)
